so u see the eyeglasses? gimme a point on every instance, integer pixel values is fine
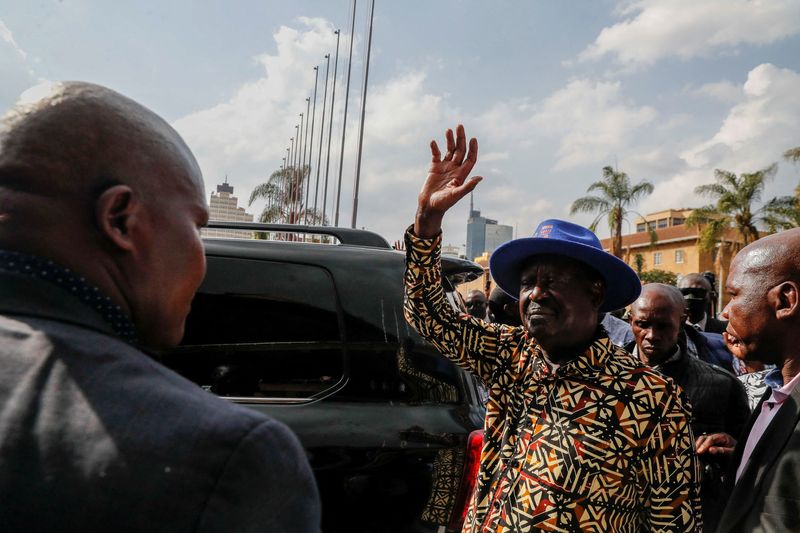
(697, 293)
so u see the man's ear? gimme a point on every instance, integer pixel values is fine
(786, 300)
(116, 212)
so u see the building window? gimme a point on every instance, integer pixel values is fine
(679, 256)
(662, 223)
(678, 221)
(651, 224)
(656, 258)
(640, 227)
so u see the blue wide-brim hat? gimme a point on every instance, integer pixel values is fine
(559, 237)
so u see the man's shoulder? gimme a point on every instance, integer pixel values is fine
(104, 368)
(630, 372)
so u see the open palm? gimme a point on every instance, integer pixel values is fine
(447, 177)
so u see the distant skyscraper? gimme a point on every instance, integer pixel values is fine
(225, 207)
(484, 234)
(497, 234)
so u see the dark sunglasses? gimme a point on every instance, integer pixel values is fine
(694, 292)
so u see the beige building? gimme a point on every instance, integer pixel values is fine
(224, 206)
(675, 248)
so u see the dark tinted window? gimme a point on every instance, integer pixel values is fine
(263, 329)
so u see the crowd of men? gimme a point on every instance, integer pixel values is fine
(597, 424)
(592, 423)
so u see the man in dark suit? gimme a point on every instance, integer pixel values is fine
(718, 400)
(764, 325)
(100, 206)
(698, 290)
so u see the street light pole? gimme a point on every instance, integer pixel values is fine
(321, 130)
(311, 142)
(344, 117)
(330, 130)
(363, 110)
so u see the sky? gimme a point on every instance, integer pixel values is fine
(664, 90)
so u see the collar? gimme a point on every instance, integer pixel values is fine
(30, 266)
(701, 324)
(588, 363)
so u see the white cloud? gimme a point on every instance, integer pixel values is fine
(723, 91)
(8, 37)
(656, 29)
(589, 120)
(753, 135)
(592, 120)
(246, 135)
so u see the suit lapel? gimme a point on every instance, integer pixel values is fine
(763, 457)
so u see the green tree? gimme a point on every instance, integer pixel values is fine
(284, 192)
(613, 200)
(638, 260)
(734, 198)
(783, 212)
(659, 276)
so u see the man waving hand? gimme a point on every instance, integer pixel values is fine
(579, 435)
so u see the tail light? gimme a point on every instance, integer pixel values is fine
(472, 461)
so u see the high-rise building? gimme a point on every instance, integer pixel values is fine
(484, 234)
(496, 234)
(224, 206)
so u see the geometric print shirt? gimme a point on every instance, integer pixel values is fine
(601, 443)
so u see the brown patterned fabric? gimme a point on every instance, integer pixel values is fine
(602, 443)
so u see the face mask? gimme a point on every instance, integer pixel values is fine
(696, 309)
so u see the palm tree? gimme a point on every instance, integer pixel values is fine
(284, 193)
(615, 198)
(792, 155)
(733, 207)
(783, 212)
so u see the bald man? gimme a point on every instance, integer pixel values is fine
(100, 206)
(718, 400)
(764, 325)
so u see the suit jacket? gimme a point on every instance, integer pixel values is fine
(711, 348)
(97, 436)
(767, 496)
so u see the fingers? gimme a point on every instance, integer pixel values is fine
(461, 145)
(451, 145)
(469, 185)
(435, 153)
(716, 443)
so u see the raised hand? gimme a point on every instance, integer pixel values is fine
(447, 181)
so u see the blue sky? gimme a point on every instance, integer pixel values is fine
(666, 90)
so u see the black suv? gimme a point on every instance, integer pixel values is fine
(313, 334)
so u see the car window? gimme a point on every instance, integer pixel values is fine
(263, 329)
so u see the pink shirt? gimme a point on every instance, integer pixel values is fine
(768, 410)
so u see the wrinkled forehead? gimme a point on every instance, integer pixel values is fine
(558, 264)
(694, 282)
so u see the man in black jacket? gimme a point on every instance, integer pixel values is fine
(698, 290)
(100, 255)
(718, 400)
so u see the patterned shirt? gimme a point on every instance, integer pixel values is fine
(601, 443)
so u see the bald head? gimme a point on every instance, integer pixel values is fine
(102, 185)
(764, 312)
(771, 259)
(656, 320)
(662, 295)
(67, 147)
